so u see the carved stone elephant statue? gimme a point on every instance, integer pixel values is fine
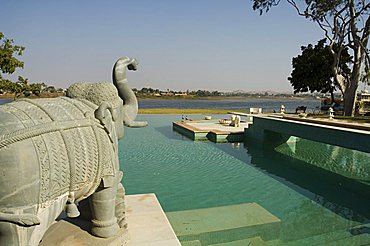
(56, 152)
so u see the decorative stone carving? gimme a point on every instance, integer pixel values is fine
(59, 152)
(282, 109)
(331, 113)
(235, 120)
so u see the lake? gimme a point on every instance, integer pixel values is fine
(2, 101)
(268, 105)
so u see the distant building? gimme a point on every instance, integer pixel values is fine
(181, 94)
(167, 94)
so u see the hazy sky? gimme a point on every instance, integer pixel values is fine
(189, 44)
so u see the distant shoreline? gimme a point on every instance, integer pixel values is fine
(214, 106)
(45, 95)
(185, 111)
(51, 95)
(226, 98)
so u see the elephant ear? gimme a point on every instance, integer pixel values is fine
(104, 113)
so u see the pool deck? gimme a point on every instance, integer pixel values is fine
(275, 130)
(324, 121)
(347, 134)
(147, 226)
(210, 130)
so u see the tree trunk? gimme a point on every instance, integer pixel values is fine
(350, 84)
(349, 98)
(350, 94)
(332, 95)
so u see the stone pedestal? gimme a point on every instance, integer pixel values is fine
(147, 225)
(64, 233)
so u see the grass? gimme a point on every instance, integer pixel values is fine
(185, 111)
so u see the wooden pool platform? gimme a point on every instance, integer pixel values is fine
(211, 130)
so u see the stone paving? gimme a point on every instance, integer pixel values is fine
(215, 126)
(147, 226)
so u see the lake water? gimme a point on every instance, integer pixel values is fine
(268, 105)
(2, 101)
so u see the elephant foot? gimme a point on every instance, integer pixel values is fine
(120, 207)
(122, 223)
(8, 234)
(15, 235)
(103, 201)
(104, 228)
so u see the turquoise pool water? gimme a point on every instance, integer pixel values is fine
(294, 183)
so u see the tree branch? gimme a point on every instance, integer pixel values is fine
(353, 27)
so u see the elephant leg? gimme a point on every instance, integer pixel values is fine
(104, 221)
(85, 209)
(120, 206)
(13, 235)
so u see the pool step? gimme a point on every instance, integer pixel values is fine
(320, 238)
(363, 239)
(191, 243)
(255, 241)
(358, 240)
(224, 224)
(339, 237)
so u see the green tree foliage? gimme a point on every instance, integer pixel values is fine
(21, 87)
(8, 62)
(5, 85)
(312, 70)
(205, 93)
(346, 24)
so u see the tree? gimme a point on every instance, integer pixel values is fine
(36, 88)
(346, 23)
(8, 64)
(21, 87)
(8, 61)
(312, 69)
(5, 85)
(365, 76)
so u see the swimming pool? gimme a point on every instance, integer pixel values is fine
(297, 185)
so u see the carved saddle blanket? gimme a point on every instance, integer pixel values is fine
(71, 147)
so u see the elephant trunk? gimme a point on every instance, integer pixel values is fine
(130, 107)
